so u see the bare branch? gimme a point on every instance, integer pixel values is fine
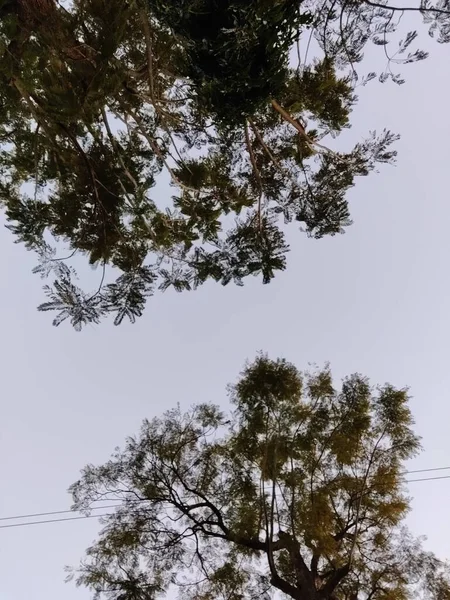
(358, 509)
(256, 172)
(439, 11)
(139, 125)
(117, 149)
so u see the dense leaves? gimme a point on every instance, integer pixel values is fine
(102, 102)
(236, 53)
(299, 490)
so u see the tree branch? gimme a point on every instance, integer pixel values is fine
(34, 108)
(287, 117)
(305, 580)
(155, 101)
(148, 43)
(117, 149)
(408, 8)
(358, 509)
(256, 172)
(227, 534)
(285, 587)
(270, 154)
(139, 126)
(312, 145)
(334, 581)
(265, 146)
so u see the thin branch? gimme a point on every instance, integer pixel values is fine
(36, 162)
(275, 578)
(139, 125)
(307, 48)
(439, 11)
(325, 27)
(265, 146)
(299, 56)
(256, 172)
(116, 147)
(86, 160)
(92, 176)
(358, 508)
(101, 283)
(344, 42)
(149, 43)
(34, 109)
(272, 156)
(64, 257)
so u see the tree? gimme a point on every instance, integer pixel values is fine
(298, 491)
(102, 99)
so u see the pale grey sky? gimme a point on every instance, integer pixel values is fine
(375, 300)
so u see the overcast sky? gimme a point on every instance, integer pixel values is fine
(375, 300)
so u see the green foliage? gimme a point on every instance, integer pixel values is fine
(236, 52)
(101, 99)
(299, 490)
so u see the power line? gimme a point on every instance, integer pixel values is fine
(427, 470)
(427, 479)
(54, 512)
(54, 520)
(62, 512)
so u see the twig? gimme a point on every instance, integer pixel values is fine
(64, 257)
(344, 42)
(256, 171)
(358, 508)
(34, 109)
(149, 44)
(115, 146)
(408, 8)
(271, 155)
(264, 145)
(91, 172)
(36, 163)
(298, 126)
(101, 283)
(156, 149)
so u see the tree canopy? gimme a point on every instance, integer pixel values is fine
(100, 101)
(298, 490)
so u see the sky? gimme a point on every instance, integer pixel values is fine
(375, 301)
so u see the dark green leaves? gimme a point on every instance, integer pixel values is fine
(72, 303)
(101, 102)
(235, 53)
(128, 295)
